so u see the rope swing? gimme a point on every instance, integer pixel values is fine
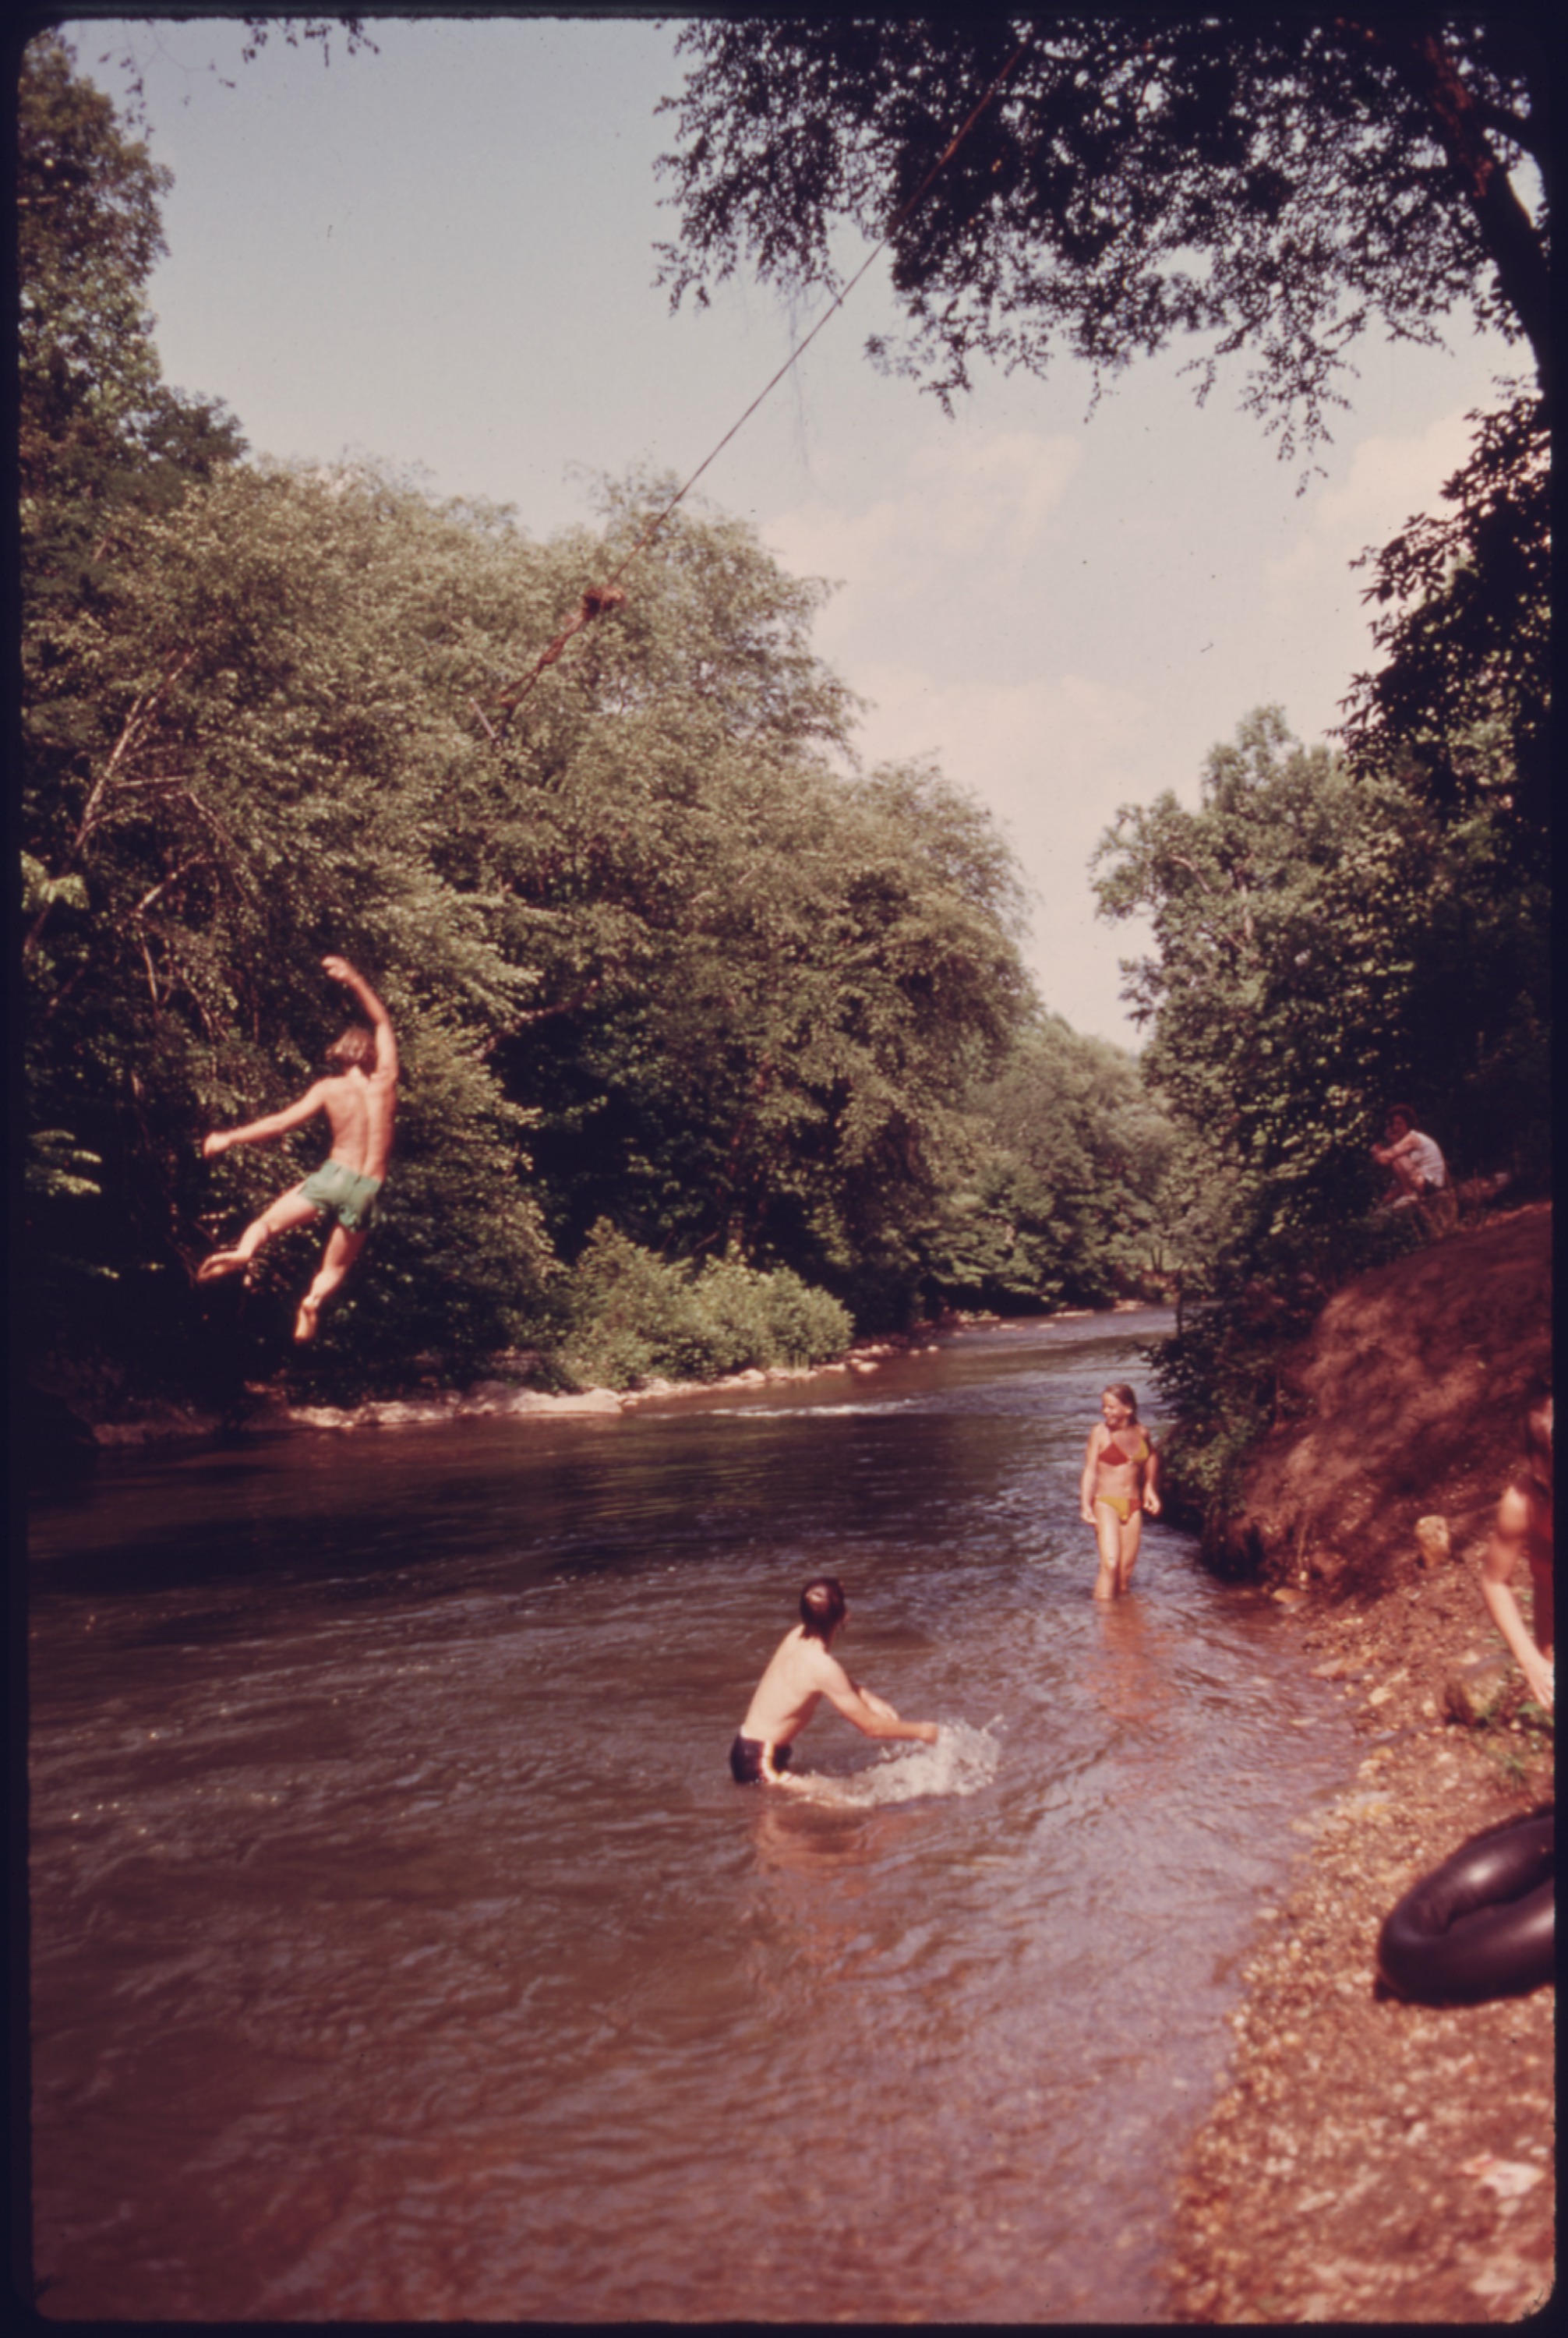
(600, 598)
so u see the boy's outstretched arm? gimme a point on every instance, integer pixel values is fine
(276, 1124)
(380, 1021)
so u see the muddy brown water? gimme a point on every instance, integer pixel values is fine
(401, 1949)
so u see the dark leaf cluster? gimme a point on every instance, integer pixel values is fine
(1270, 187)
(1462, 604)
(99, 432)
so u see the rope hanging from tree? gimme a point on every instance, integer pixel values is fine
(600, 598)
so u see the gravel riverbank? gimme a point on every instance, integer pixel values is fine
(1370, 2160)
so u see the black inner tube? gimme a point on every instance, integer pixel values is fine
(1483, 1925)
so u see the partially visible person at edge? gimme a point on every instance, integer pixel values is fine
(1120, 1482)
(802, 1671)
(1522, 1529)
(359, 1100)
(1419, 1169)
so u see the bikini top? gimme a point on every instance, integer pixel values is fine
(1114, 1458)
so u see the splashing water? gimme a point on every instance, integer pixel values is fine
(962, 1762)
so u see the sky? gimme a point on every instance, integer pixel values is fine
(442, 257)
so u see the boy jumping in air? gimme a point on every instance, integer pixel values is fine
(359, 1100)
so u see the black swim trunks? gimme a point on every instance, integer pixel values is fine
(746, 1760)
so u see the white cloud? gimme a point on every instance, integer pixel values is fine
(975, 497)
(1056, 741)
(1390, 479)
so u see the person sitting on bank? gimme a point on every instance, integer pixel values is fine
(359, 1100)
(1523, 1530)
(802, 1671)
(1416, 1161)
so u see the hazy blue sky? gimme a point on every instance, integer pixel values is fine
(442, 255)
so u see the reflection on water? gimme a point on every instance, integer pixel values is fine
(402, 1950)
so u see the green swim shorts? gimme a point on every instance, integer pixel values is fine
(342, 1194)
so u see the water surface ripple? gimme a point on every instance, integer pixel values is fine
(401, 1949)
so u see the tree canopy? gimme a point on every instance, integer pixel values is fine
(97, 426)
(1276, 186)
(1324, 944)
(704, 1026)
(1062, 1203)
(654, 960)
(1462, 603)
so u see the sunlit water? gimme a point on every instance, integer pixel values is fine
(401, 1948)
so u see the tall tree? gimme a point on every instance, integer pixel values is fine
(98, 427)
(1462, 604)
(1303, 921)
(1323, 944)
(1275, 185)
(236, 762)
(765, 981)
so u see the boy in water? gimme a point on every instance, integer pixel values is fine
(359, 1101)
(802, 1672)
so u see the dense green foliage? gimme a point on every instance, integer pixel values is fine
(1312, 930)
(696, 1018)
(1324, 946)
(1463, 602)
(633, 1318)
(1271, 184)
(735, 994)
(1064, 1202)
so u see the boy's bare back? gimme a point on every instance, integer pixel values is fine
(360, 1112)
(800, 1672)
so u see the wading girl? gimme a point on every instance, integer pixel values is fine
(1120, 1482)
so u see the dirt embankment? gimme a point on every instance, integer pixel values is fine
(1370, 2160)
(1407, 1400)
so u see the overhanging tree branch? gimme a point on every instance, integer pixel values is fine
(1513, 242)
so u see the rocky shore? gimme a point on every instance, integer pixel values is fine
(72, 1411)
(108, 1418)
(1370, 2160)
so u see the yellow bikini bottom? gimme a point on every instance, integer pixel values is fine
(1123, 1504)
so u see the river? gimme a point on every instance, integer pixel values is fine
(401, 1949)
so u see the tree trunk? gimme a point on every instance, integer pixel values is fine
(1506, 228)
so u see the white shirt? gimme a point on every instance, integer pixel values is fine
(1422, 1155)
